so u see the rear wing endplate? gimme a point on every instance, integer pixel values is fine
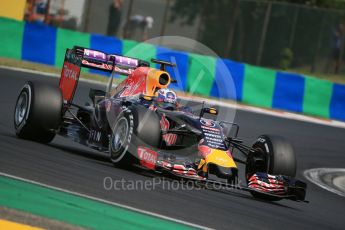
(69, 76)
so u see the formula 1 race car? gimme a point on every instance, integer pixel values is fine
(130, 124)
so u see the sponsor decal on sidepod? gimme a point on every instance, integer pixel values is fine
(147, 157)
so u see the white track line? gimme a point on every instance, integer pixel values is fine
(106, 201)
(315, 176)
(227, 104)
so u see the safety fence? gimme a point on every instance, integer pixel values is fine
(249, 84)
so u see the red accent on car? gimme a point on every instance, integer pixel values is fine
(179, 169)
(147, 157)
(169, 138)
(135, 83)
(204, 150)
(274, 186)
(69, 80)
(191, 172)
(164, 123)
(229, 153)
(166, 164)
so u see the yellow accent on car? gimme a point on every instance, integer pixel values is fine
(147, 98)
(213, 111)
(156, 79)
(221, 158)
(201, 163)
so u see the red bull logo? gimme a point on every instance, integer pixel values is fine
(208, 123)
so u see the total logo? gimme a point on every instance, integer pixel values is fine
(147, 157)
(69, 73)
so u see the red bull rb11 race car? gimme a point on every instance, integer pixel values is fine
(140, 122)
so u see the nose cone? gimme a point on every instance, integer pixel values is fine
(220, 158)
(220, 163)
(222, 172)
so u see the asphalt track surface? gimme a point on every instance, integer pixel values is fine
(67, 165)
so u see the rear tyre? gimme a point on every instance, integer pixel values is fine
(273, 155)
(37, 112)
(135, 126)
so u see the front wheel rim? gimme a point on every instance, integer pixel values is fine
(21, 108)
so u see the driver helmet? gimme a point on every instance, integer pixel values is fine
(167, 99)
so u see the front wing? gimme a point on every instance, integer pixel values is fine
(291, 189)
(270, 187)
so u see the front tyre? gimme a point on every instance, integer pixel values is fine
(37, 112)
(273, 155)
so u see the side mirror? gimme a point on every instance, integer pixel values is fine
(146, 97)
(212, 111)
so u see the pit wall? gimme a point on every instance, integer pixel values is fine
(202, 75)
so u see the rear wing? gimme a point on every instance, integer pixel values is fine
(78, 57)
(95, 59)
